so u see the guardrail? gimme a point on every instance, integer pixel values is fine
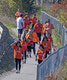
(51, 63)
(60, 27)
(56, 59)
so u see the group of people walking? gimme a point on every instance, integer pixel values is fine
(32, 36)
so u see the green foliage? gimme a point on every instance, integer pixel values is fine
(28, 5)
(57, 37)
(9, 7)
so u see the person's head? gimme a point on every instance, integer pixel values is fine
(27, 14)
(18, 9)
(41, 47)
(38, 21)
(45, 38)
(18, 43)
(20, 15)
(48, 20)
(34, 15)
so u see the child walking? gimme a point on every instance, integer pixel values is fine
(17, 55)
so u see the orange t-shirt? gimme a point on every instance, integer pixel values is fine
(17, 13)
(50, 40)
(34, 20)
(50, 26)
(40, 54)
(17, 52)
(38, 28)
(46, 45)
(27, 20)
(24, 45)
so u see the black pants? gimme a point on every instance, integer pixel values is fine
(32, 26)
(39, 61)
(25, 54)
(39, 36)
(33, 48)
(47, 52)
(18, 62)
(44, 34)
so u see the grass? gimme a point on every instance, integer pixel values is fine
(9, 23)
(62, 72)
(57, 39)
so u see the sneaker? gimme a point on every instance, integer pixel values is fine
(16, 71)
(19, 71)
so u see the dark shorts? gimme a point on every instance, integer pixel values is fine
(29, 48)
(20, 31)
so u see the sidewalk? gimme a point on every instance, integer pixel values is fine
(28, 71)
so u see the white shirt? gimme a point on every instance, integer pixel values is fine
(19, 21)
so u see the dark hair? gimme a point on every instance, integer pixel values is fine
(48, 20)
(45, 37)
(19, 43)
(21, 15)
(42, 46)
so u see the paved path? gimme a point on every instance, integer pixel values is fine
(28, 71)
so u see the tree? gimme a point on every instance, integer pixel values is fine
(60, 11)
(28, 5)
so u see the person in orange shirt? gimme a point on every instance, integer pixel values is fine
(40, 54)
(38, 29)
(34, 20)
(17, 13)
(34, 39)
(49, 26)
(24, 44)
(50, 42)
(46, 45)
(27, 21)
(17, 54)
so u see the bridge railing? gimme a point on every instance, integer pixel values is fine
(56, 59)
(60, 27)
(51, 63)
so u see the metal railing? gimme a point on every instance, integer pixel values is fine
(56, 59)
(60, 27)
(51, 63)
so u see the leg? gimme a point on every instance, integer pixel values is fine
(44, 34)
(39, 36)
(34, 48)
(19, 64)
(16, 60)
(19, 33)
(29, 50)
(32, 26)
(25, 56)
(39, 61)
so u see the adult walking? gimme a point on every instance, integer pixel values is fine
(49, 26)
(17, 13)
(38, 29)
(20, 26)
